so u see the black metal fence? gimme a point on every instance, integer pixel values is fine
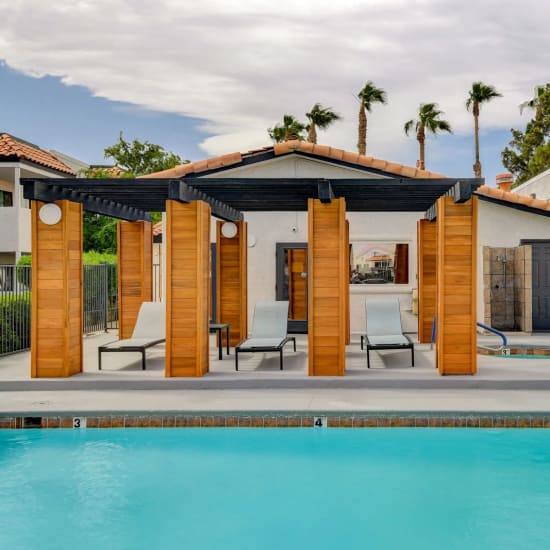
(100, 298)
(100, 303)
(15, 308)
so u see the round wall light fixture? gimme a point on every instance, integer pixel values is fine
(229, 230)
(50, 214)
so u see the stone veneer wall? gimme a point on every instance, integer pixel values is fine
(507, 288)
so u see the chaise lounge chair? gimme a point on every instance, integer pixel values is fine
(269, 329)
(149, 330)
(384, 329)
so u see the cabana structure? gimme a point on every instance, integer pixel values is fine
(446, 249)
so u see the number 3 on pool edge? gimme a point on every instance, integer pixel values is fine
(79, 422)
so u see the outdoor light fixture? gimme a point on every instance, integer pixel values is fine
(50, 214)
(251, 240)
(229, 230)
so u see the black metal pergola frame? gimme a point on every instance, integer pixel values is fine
(133, 199)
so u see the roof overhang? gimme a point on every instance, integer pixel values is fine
(229, 197)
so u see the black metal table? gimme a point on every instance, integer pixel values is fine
(218, 328)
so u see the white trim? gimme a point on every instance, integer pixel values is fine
(46, 172)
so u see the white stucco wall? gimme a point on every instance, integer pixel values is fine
(270, 228)
(504, 226)
(294, 166)
(539, 186)
(280, 227)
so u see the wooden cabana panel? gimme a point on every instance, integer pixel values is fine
(187, 288)
(427, 278)
(327, 287)
(456, 286)
(135, 268)
(56, 320)
(231, 281)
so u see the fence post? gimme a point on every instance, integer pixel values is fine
(105, 296)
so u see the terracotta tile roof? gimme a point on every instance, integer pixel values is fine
(511, 197)
(293, 146)
(157, 229)
(11, 147)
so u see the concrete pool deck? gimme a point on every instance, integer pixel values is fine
(504, 385)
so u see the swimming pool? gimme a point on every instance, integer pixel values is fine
(284, 489)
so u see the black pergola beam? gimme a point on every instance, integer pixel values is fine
(49, 192)
(463, 191)
(179, 190)
(324, 191)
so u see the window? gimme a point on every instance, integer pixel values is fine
(6, 198)
(374, 262)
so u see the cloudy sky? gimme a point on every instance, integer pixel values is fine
(208, 77)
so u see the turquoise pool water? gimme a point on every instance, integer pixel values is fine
(284, 489)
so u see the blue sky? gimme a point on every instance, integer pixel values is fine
(208, 78)
(69, 119)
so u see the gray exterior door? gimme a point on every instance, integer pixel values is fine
(541, 285)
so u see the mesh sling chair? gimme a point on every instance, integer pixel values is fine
(269, 329)
(384, 329)
(150, 329)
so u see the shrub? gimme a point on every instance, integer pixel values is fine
(15, 322)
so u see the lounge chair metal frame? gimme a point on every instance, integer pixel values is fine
(373, 346)
(270, 324)
(253, 349)
(112, 347)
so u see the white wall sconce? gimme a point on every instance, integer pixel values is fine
(229, 230)
(50, 214)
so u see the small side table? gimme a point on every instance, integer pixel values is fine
(218, 328)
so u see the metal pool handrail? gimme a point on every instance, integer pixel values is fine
(481, 325)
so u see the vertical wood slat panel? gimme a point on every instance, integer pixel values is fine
(56, 297)
(327, 287)
(187, 288)
(427, 289)
(135, 266)
(232, 281)
(456, 340)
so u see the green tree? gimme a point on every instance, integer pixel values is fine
(528, 153)
(480, 93)
(138, 158)
(134, 159)
(428, 120)
(368, 96)
(291, 128)
(319, 117)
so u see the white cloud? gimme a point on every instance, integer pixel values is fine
(239, 65)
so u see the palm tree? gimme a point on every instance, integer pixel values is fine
(291, 128)
(369, 95)
(480, 93)
(319, 117)
(428, 119)
(534, 103)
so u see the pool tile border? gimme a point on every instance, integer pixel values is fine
(282, 420)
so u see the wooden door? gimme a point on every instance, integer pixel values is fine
(292, 283)
(297, 283)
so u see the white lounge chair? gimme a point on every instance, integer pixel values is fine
(150, 329)
(384, 329)
(269, 331)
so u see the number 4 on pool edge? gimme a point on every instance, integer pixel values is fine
(320, 422)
